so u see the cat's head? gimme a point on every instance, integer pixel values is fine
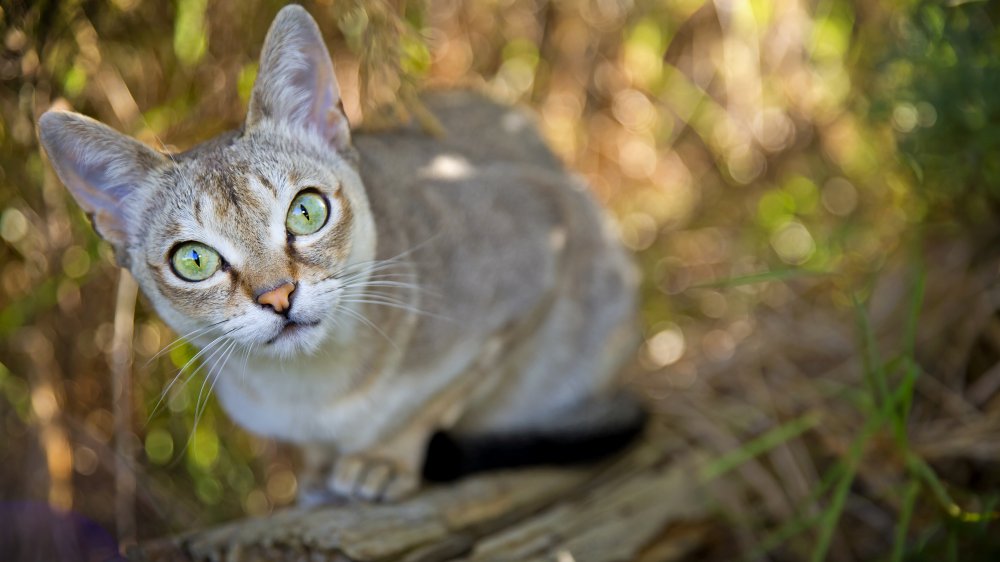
(251, 234)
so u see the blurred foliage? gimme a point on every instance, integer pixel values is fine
(743, 141)
(939, 86)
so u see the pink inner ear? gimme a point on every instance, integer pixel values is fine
(327, 113)
(296, 84)
(100, 167)
(101, 197)
(338, 129)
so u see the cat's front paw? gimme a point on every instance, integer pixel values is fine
(372, 478)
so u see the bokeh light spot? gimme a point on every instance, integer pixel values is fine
(85, 460)
(159, 446)
(256, 503)
(839, 197)
(75, 262)
(793, 243)
(204, 450)
(666, 346)
(281, 486)
(905, 117)
(13, 225)
(208, 490)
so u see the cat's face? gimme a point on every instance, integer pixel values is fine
(252, 236)
(256, 238)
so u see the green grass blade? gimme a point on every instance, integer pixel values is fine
(913, 314)
(828, 523)
(762, 277)
(872, 364)
(919, 468)
(785, 532)
(830, 517)
(988, 507)
(798, 523)
(902, 401)
(761, 444)
(903, 397)
(905, 514)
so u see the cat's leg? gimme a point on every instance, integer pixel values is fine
(387, 472)
(317, 461)
(391, 469)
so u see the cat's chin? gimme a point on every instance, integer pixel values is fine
(295, 338)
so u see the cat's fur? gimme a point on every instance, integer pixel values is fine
(495, 298)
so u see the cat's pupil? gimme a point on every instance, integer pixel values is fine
(305, 212)
(196, 257)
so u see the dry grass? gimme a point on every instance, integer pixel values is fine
(900, 451)
(732, 141)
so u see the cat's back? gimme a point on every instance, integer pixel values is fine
(487, 199)
(477, 132)
(490, 169)
(505, 243)
(489, 179)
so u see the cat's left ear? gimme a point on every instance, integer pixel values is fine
(295, 84)
(103, 169)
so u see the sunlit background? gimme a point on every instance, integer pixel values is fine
(810, 187)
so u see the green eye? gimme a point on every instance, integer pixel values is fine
(307, 214)
(193, 261)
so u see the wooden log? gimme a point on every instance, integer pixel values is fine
(620, 510)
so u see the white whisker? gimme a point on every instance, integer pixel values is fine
(362, 318)
(389, 284)
(180, 372)
(395, 258)
(183, 339)
(246, 359)
(199, 409)
(221, 364)
(215, 355)
(367, 268)
(378, 301)
(366, 294)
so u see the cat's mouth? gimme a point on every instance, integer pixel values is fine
(291, 328)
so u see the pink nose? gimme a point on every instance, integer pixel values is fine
(277, 298)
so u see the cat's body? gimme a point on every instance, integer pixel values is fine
(504, 246)
(465, 283)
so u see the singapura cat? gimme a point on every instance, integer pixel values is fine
(376, 290)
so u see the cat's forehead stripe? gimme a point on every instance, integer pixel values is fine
(235, 187)
(230, 193)
(267, 184)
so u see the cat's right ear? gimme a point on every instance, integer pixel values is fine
(295, 84)
(101, 168)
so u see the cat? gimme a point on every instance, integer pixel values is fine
(390, 298)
